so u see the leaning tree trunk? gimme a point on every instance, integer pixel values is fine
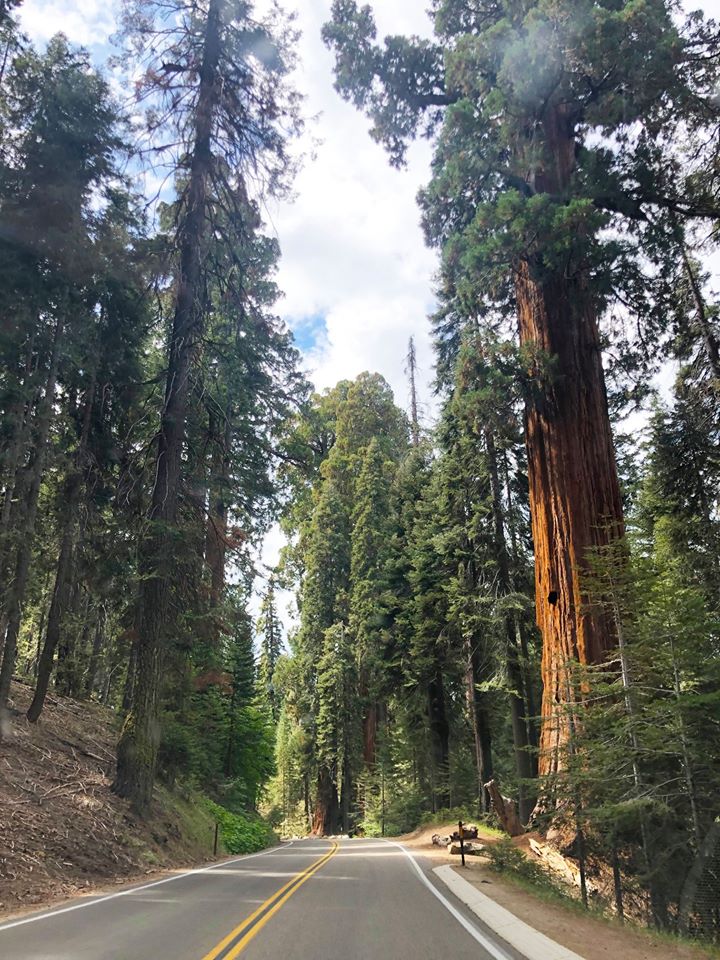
(16, 592)
(139, 741)
(574, 491)
(61, 591)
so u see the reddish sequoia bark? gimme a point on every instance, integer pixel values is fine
(326, 817)
(574, 490)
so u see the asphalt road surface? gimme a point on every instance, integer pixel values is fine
(306, 900)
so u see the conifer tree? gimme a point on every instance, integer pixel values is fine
(64, 130)
(519, 202)
(227, 105)
(271, 648)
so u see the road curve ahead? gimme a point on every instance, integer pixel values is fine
(307, 900)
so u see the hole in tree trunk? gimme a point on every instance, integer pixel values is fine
(552, 598)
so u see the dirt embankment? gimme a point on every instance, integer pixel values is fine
(588, 935)
(62, 831)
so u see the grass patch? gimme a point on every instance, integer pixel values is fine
(507, 859)
(190, 818)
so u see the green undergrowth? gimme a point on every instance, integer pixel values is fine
(505, 858)
(241, 832)
(191, 818)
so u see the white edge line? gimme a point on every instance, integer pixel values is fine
(145, 886)
(495, 951)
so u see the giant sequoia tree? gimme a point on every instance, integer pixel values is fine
(527, 103)
(218, 116)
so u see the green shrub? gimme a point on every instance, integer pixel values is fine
(241, 832)
(506, 858)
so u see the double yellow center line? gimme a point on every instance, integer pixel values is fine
(236, 941)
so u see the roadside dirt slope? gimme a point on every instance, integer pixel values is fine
(61, 829)
(590, 936)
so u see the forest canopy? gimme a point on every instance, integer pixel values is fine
(519, 598)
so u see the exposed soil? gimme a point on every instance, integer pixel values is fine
(62, 831)
(591, 937)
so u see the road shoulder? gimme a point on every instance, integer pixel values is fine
(528, 941)
(576, 933)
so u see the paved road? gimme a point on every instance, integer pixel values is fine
(308, 900)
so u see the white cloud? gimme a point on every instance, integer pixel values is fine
(86, 22)
(352, 245)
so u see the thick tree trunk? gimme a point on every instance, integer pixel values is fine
(326, 817)
(137, 749)
(574, 491)
(61, 591)
(16, 592)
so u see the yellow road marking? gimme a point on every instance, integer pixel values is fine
(298, 879)
(238, 949)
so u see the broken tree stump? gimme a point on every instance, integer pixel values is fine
(505, 810)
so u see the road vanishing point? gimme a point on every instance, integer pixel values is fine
(305, 900)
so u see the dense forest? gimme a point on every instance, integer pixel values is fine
(520, 599)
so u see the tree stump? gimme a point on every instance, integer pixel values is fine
(505, 810)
